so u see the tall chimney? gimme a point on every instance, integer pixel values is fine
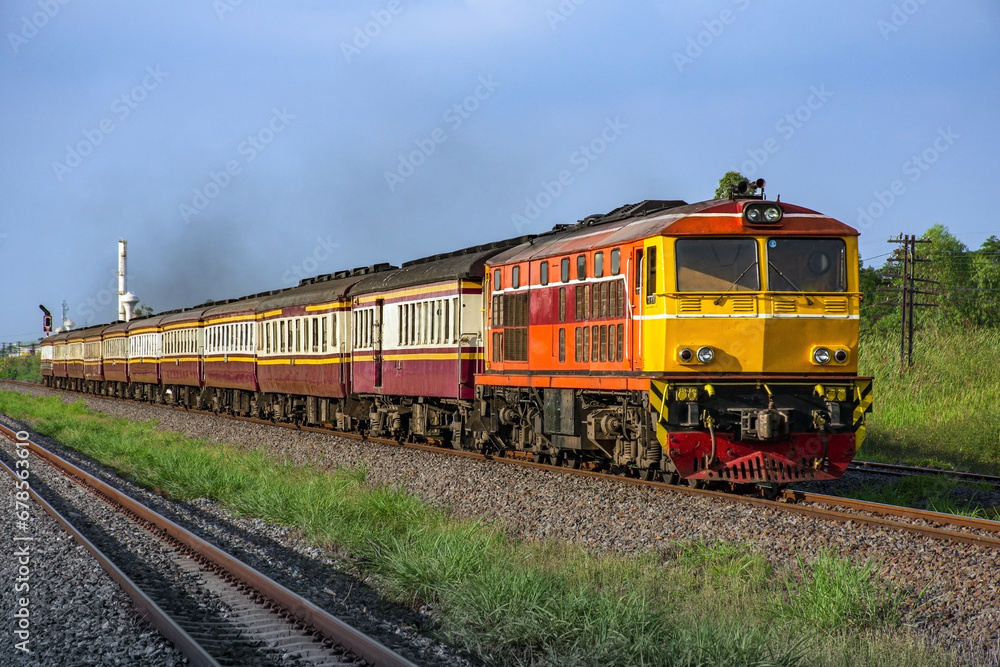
(122, 251)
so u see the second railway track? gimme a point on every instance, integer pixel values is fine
(901, 470)
(215, 609)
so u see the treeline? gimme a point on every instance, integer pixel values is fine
(960, 286)
(25, 367)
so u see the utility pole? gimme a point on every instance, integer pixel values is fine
(907, 260)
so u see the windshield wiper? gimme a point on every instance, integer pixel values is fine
(787, 280)
(733, 284)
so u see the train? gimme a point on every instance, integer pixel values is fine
(713, 343)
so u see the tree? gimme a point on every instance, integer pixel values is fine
(730, 183)
(986, 278)
(951, 266)
(142, 310)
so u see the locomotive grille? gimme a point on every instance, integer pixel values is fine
(836, 305)
(785, 306)
(690, 305)
(743, 304)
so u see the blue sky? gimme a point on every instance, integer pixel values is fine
(240, 144)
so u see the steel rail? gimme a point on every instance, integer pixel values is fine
(901, 470)
(309, 614)
(791, 500)
(159, 619)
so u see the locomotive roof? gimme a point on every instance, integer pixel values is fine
(716, 217)
(467, 263)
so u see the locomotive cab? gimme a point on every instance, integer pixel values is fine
(751, 336)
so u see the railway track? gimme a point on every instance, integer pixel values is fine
(221, 611)
(900, 470)
(934, 525)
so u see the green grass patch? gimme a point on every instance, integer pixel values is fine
(830, 593)
(944, 410)
(509, 602)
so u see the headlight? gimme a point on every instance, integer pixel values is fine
(840, 356)
(762, 214)
(821, 355)
(706, 354)
(685, 355)
(682, 394)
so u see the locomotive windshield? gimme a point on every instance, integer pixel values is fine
(716, 265)
(806, 265)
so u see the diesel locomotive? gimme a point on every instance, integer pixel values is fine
(714, 342)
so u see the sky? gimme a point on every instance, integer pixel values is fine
(240, 145)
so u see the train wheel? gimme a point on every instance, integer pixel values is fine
(693, 483)
(571, 460)
(771, 492)
(541, 458)
(648, 474)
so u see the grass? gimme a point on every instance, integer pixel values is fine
(831, 593)
(26, 367)
(944, 410)
(509, 602)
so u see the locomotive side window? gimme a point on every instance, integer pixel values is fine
(616, 261)
(717, 265)
(497, 280)
(599, 265)
(543, 271)
(515, 278)
(806, 265)
(565, 269)
(581, 267)
(638, 271)
(651, 274)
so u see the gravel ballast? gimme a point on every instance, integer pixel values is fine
(77, 615)
(959, 608)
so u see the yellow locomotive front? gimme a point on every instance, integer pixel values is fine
(750, 339)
